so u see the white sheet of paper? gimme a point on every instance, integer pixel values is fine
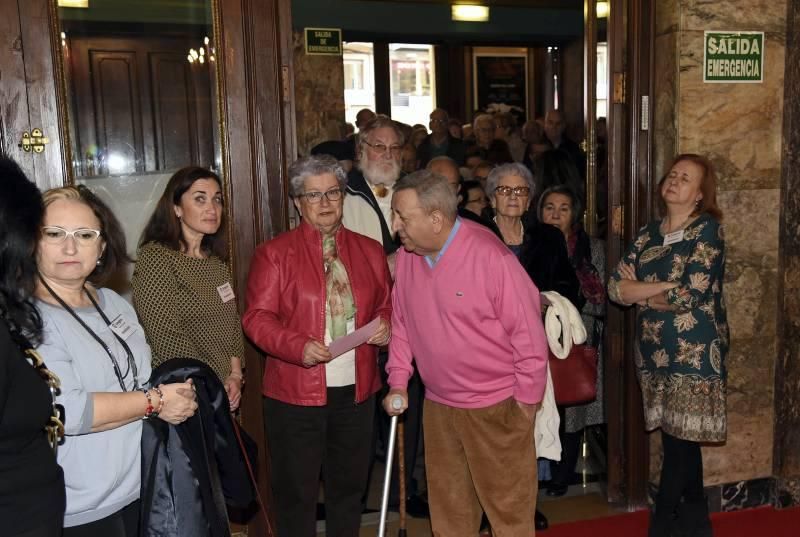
(354, 339)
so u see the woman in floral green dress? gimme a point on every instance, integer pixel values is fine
(674, 272)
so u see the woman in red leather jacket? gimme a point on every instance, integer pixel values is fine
(306, 288)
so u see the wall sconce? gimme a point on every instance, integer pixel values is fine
(469, 13)
(73, 3)
(602, 10)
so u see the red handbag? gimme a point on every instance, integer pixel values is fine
(575, 377)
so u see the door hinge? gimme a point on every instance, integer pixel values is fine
(33, 141)
(619, 88)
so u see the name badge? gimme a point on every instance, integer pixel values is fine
(121, 327)
(226, 292)
(672, 238)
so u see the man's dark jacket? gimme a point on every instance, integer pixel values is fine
(456, 150)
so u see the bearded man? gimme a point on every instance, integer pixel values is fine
(368, 204)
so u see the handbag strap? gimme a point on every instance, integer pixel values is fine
(262, 507)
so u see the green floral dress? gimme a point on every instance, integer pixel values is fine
(681, 354)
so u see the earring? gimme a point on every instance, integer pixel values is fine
(99, 262)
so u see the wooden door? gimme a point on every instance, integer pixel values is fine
(630, 39)
(28, 96)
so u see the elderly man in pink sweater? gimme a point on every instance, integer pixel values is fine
(467, 312)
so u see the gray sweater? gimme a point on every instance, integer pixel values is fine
(102, 471)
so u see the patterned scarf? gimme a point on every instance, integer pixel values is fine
(340, 297)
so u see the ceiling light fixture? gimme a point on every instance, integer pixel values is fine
(469, 13)
(73, 3)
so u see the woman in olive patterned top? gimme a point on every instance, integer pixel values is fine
(182, 288)
(674, 271)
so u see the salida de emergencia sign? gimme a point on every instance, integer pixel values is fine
(733, 57)
(323, 41)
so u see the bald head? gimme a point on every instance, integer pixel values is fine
(363, 117)
(447, 168)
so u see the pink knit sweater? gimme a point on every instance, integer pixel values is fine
(472, 324)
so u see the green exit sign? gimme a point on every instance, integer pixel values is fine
(323, 41)
(733, 57)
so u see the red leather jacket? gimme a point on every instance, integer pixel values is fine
(286, 307)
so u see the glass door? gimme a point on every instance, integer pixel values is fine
(141, 98)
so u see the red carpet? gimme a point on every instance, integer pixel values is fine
(759, 522)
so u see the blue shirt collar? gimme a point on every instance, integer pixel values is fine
(432, 262)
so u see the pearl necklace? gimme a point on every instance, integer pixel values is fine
(521, 233)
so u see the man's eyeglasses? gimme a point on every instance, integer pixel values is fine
(383, 148)
(334, 194)
(57, 235)
(439, 121)
(507, 191)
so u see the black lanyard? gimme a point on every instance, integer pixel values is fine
(117, 370)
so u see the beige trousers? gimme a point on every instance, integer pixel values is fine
(477, 460)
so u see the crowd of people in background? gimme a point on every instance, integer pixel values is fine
(441, 242)
(525, 183)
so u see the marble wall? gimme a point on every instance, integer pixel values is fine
(739, 127)
(319, 97)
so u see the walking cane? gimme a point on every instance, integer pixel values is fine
(397, 404)
(401, 469)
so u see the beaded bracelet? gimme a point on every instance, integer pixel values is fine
(148, 411)
(161, 400)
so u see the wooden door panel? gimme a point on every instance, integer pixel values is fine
(139, 101)
(181, 111)
(116, 110)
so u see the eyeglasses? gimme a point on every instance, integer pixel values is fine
(334, 194)
(439, 121)
(383, 148)
(55, 426)
(507, 191)
(57, 235)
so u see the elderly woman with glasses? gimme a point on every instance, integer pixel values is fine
(540, 248)
(510, 188)
(306, 289)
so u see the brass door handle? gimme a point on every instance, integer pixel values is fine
(33, 141)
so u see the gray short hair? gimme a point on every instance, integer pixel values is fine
(504, 170)
(432, 190)
(312, 166)
(378, 122)
(482, 117)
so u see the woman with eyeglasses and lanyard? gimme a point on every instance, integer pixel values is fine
(93, 341)
(306, 288)
(31, 482)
